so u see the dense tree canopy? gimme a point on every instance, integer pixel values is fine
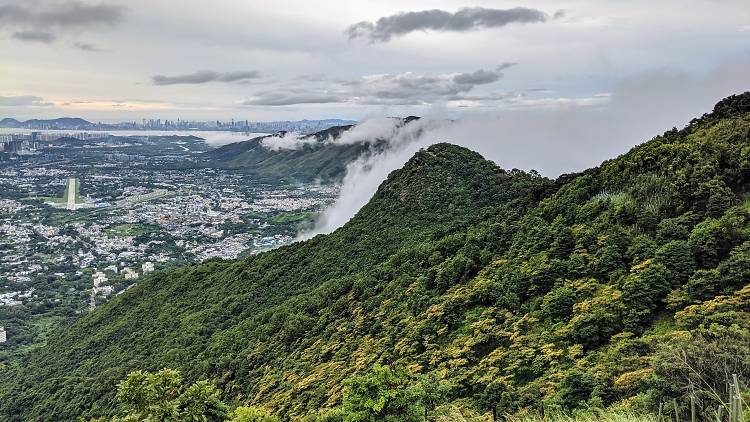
(516, 293)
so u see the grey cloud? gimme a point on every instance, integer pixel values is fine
(87, 47)
(23, 101)
(284, 98)
(66, 15)
(387, 89)
(410, 88)
(205, 76)
(35, 36)
(466, 19)
(481, 76)
(25, 20)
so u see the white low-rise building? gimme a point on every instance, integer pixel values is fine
(129, 274)
(99, 278)
(147, 267)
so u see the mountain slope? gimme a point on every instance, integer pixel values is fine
(306, 164)
(203, 311)
(316, 159)
(625, 285)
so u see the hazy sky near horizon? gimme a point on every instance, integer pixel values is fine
(294, 59)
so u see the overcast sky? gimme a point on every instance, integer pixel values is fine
(285, 59)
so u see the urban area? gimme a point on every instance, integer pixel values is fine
(85, 216)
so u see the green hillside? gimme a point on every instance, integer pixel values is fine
(622, 287)
(316, 160)
(313, 161)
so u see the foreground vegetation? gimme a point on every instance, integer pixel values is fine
(468, 291)
(380, 394)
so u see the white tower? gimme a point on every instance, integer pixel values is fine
(3, 337)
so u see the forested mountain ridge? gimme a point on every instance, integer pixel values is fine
(304, 164)
(623, 286)
(318, 157)
(199, 311)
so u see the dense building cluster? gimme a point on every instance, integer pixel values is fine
(78, 230)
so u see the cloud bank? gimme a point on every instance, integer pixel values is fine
(287, 141)
(377, 128)
(369, 130)
(406, 88)
(467, 19)
(555, 140)
(205, 76)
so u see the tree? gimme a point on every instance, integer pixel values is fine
(434, 391)
(575, 388)
(201, 402)
(717, 196)
(677, 257)
(558, 303)
(161, 396)
(251, 414)
(642, 292)
(712, 239)
(496, 397)
(382, 394)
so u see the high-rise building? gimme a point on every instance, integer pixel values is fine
(3, 336)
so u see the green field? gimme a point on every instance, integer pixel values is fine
(61, 199)
(77, 193)
(131, 229)
(292, 217)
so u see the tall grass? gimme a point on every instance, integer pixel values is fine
(591, 416)
(615, 197)
(458, 414)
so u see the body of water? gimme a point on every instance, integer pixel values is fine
(214, 138)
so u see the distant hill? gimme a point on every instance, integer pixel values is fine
(317, 160)
(59, 123)
(9, 123)
(625, 286)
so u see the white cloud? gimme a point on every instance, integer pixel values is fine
(572, 56)
(553, 140)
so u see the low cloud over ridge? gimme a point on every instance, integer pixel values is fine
(467, 19)
(640, 107)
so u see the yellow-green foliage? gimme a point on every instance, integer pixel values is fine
(514, 292)
(591, 416)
